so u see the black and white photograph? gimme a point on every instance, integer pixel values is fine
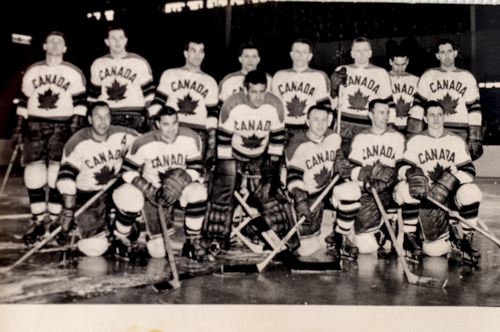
(235, 165)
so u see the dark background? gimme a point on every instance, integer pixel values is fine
(160, 38)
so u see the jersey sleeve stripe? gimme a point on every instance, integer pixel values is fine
(160, 98)
(68, 171)
(213, 111)
(469, 169)
(94, 91)
(130, 165)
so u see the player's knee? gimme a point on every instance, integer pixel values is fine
(194, 192)
(347, 191)
(436, 248)
(156, 247)
(94, 246)
(401, 194)
(35, 175)
(366, 243)
(52, 172)
(468, 194)
(128, 198)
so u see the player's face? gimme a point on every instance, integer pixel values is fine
(446, 55)
(169, 127)
(435, 118)
(318, 122)
(256, 93)
(380, 116)
(249, 59)
(116, 41)
(301, 55)
(399, 64)
(361, 53)
(195, 54)
(55, 45)
(100, 120)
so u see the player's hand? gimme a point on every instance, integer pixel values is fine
(418, 183)
(339, 77)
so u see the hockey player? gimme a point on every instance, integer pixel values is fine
(91, 158)
(51, 108)
(438, 164)
(312, 158)
(124, 80)
(457, 92)
(233, 82)
(354, 86)
(300, 87)
(404, 86)
(170, 160)
(193, 94)
(376, 153)
(249, 139)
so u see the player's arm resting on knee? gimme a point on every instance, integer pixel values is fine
(418, 183)
(342, 166)
(381, 177)
(174, 182)
(338, 78)
(443, 186)
(149, 191)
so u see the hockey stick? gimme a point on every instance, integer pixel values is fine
(485, 227)
(9, 169)
(59, 228)
(175, 283)
(412, 278)
(456, 215)
(262, 265)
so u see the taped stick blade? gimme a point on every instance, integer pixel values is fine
(431, 282)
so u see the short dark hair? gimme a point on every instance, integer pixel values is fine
(255, 77)
(95, 105)
(372, 103)
(445, 41)
(320, 107)
(361, 39)
(249, 45)
(56, 33)
(399, 52)
(303, 41)
(432, 103)
(194, 40)
(114, 27)
(166, 110)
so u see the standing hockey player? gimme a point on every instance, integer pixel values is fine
(193, 94)
(51, 108)
(233, 82)
(354, 86)
(404, 86)
(457, 92)
(170, 160)
(91, 158)
(300, 87)
(376, 153)
(438, 165)
(312, 159)
(124, 80)
(249, 139)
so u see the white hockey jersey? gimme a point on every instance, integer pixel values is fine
(192, 95)
(299, 91)
(126, 84)
(156, 156)
(456, 91)
(233, 83)
(91, 164)
(52, 92)
(246, 132)
(310, 164)
(403, 89)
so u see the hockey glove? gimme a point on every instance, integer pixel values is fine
(442, 188)
(337, 79)
(175, 181)
(151, 193)
(418, 183)
(475, 142)
(301, 204)
(67, 216)
(17, 134)
(381, 177)
(342, 165)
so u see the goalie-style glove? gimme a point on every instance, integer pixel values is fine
(18, 132)
(337, 79)
(175, 181)
(301, 204)
(475, 142)
(418, 183)
(151, 193)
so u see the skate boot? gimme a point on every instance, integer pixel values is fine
(194, 248)
(412, 248)
(342, 245)
(470, 252)
(35, 232)
(124, 243)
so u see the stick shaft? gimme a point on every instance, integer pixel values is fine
(9, 168)
(168, 244)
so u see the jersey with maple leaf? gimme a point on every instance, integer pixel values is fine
(233, 83)
(310, 164)
(192, 94)
(91, 164)
(299, 91)
(155, 156)
(436, 154)
(126, 84)
(363, 85)
(52, 92)
(247, 132)
(456, 91)
(403, 89)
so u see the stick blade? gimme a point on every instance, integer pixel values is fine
(166, 285)
(431, 282)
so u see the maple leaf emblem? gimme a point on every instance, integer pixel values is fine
(296, 107)
(252, 142)
(322, 178)
(435, 174)
(104, 175)
(187, 105)
(449, 104)
(402, 108)
(48, 100)
(116, 91)
(358, 101)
